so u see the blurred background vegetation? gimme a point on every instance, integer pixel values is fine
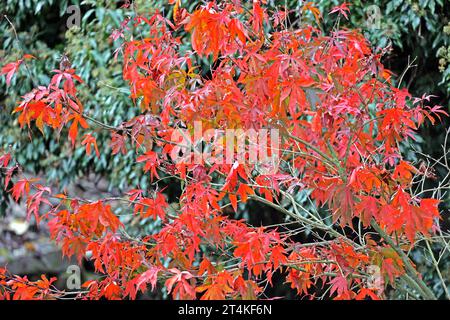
(417, 33)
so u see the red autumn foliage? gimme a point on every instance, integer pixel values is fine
(340, 119)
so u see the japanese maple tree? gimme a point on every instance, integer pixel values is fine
(340, 122)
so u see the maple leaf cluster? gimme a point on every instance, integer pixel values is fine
(341, 121)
